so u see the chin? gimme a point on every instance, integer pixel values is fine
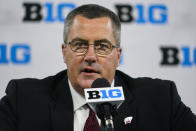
(86, 83)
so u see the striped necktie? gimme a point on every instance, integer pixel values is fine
(91, 122)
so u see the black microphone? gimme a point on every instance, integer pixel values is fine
(105, 111)
(106, 99)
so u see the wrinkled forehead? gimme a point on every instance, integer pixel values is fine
(91, 27)
(84, 20)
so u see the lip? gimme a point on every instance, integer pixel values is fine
(88, 71)
(89, 74)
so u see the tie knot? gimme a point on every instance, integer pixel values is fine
(91, 112)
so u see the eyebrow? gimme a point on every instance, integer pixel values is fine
(79, 39)
(103, 40)
(96, 41)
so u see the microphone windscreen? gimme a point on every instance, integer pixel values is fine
(100, 82)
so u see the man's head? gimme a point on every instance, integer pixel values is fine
(92, 11)
(91, 49)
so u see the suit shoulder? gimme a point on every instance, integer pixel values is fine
(147, 87)
(144, 82)
(154, 89)
(34, 83)
(153, 81)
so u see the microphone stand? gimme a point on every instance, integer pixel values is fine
(106, 112)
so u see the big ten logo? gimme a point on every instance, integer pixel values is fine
(112, 93)
(16, 54)
(104, 94)
(173, 56)
(153, 13)
(48, 12)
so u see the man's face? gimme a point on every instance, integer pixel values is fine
(84, 69)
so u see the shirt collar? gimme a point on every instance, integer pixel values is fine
(78, 99)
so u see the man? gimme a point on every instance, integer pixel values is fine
(91, 50)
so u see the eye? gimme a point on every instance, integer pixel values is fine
(102, 45)
(79, 44)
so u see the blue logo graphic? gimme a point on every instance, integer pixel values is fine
(19, 54)
(186, 51)
(156, 14)
(61, 9)
(112, 93)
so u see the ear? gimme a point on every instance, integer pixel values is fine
(63, 46)
(119, 54)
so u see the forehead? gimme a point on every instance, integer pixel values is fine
(91, 28)
(83, 20)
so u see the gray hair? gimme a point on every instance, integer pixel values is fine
(91, 11)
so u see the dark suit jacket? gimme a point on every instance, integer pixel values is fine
(46, 105)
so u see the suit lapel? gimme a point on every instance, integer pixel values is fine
(61, 107)
(127, 109)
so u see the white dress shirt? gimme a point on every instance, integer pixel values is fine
(81, 111)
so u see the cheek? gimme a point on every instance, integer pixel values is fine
(73, 67)
(71, 61)
(109, 65)
(114, 61)
(74, 63)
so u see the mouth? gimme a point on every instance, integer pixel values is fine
(90, 71)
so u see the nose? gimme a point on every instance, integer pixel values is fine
(90, 56)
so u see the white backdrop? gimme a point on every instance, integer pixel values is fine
(141, 42)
